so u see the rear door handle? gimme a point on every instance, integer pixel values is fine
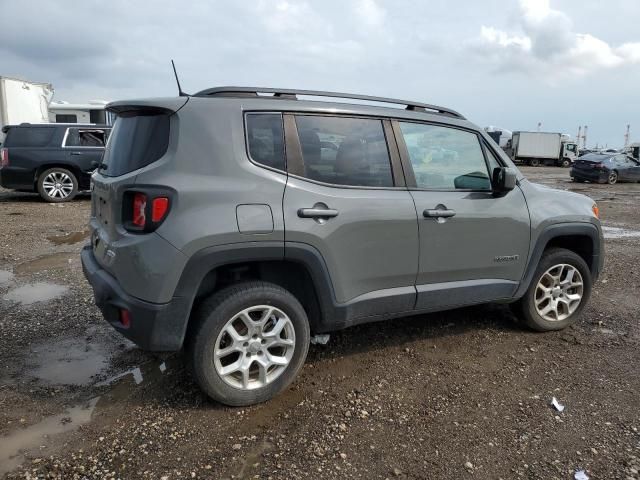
(317, 213)
(438, 213)
(76, 153)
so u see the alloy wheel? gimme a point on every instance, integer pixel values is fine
(58, 185)
(254, 347)
(559, 292)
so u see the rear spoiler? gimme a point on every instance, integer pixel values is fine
(148, 106)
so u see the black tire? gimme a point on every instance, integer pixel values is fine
(565, 163)
(211, 318)
(577, 180)
(63, 194)
(612, 179)
(526, 305)
(534, 162)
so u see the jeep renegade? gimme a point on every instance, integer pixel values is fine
(237, 222)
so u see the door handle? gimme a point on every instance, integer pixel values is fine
(76, 153)
(438, 213)
(317, 213)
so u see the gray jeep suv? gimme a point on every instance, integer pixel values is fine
(237, 222)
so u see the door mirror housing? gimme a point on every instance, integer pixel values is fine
(504, 179)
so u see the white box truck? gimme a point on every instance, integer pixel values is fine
(23, 102)
(543, 148)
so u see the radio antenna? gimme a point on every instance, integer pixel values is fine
(180, 92)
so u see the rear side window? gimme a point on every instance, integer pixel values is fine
(344, 151)
(66, 118)
(29, 136)
(79, 137)
(135, 142)
(445, 158)
(265, 139)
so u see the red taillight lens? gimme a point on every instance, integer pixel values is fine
(125, 318)
(139, 218)
(159, 208)
(4, 157)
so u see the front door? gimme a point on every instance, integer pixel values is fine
(345, 201)
(473, 244)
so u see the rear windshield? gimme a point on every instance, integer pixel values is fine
(135, 142)
(28, 136)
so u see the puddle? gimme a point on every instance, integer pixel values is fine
(616, 232)
(5, 277)
(35, 292)
(68, 362)
(13, 446)
(69, 238)
(54, 261)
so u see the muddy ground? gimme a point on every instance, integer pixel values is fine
(460, 394)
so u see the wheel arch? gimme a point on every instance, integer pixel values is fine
(300, 270)
(582, 238)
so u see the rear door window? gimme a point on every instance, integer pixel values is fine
(135, 142)
(29, 136)
(344, 151)
(79, 137)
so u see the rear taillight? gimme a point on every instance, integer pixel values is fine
(125, 318)
(159, 208)
(143, 211)
(4, 157)
(139, 214)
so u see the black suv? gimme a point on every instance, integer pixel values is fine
(56, 160)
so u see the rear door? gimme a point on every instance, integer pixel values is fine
(345, 199)
(84, 147)
(473, 244)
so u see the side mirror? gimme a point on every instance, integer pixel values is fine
(504, 179)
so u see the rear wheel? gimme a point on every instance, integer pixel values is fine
(560, 288)
(249, 342)
(612, 178)
(57, 185)
(534, 162)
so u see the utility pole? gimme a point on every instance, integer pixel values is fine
(626, 135)
(584, 137)
(578, 136)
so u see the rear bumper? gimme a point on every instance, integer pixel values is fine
(592, 176)
(153, 326)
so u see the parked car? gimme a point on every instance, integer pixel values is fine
(56, 160)
(225, 223)
(605, 168)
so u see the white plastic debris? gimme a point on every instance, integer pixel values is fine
(162, 367)
(137, 375)
(580, 475)
(555, 404)
(320, 339)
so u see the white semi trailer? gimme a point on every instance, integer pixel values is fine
(23, 102)
(543, 148)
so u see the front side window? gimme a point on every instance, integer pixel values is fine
(445, 158)
(66, 118)
(344, 151)
(265, 139)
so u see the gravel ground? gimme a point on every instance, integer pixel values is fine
(460, 394)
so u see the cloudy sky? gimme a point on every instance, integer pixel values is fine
(509, 63)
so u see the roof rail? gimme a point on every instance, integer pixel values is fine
(286, 93)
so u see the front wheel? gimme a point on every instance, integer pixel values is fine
(565, 163)
(612, 178)
(249, 342)
(558, 293)
(57, 185)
